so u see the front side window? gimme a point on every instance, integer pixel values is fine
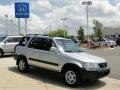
(10, 40)
(17, 39)
(13, 39)
(68, 45)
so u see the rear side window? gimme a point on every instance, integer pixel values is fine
(24, 41)
(36, 43)
(17, 39)
(41, 43)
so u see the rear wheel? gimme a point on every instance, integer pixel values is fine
(111, 46)
(23, 65)
(106, 45)
(72, 77)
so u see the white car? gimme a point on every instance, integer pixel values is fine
(109, 42)
(8, 43)
(61, 55)
(97, 43)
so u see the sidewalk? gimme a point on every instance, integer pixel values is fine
(36, 79)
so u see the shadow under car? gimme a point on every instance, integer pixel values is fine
(55, 78)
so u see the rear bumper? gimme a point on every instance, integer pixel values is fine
(94, 74)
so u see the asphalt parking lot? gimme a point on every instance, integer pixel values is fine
(38, 79)
(112, 55)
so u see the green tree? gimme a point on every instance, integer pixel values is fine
(98, 32)
(81, 34)
(58, 33)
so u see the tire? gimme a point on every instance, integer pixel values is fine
(23, 65)
(106, 45)
(71, 77)
(112, 46)
(1, 53)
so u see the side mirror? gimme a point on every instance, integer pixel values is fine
(78, 44)
(53, 49)
(6, 42)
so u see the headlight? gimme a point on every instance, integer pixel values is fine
(91, 66)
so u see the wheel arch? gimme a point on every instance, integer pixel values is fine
(2, 50)
(21, 57)
(70, 65)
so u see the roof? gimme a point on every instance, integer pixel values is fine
(45, 36)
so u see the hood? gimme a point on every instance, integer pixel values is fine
(85, 57)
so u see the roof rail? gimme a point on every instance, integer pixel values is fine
(37, 35)
(34, 35)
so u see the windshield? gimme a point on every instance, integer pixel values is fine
(68, 45)
(2, 38)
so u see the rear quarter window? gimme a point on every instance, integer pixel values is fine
(24, 41)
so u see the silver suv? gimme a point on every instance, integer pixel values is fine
(8, 43)
(61, 55)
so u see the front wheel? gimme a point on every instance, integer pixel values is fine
(71, 77)
(1, 53)
(23, 65)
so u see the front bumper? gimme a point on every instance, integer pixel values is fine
(94, 74)
(15, 56)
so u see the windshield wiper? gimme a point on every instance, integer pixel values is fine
(68, 51)
(79, 51)
(73, 51)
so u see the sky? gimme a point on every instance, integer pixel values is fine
(44, 13)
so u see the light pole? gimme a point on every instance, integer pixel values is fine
(11, 24)
(19, 26)
(14, 29)
(46, 30)
(64, 19)
(6, 16)
(25, 26)
(50, 27)
(87, 3)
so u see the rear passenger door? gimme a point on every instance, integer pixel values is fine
(49, 59)
(33, 51)
(39, 53)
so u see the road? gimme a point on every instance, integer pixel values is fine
(113, 58)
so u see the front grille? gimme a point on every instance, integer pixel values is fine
(102, 65)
